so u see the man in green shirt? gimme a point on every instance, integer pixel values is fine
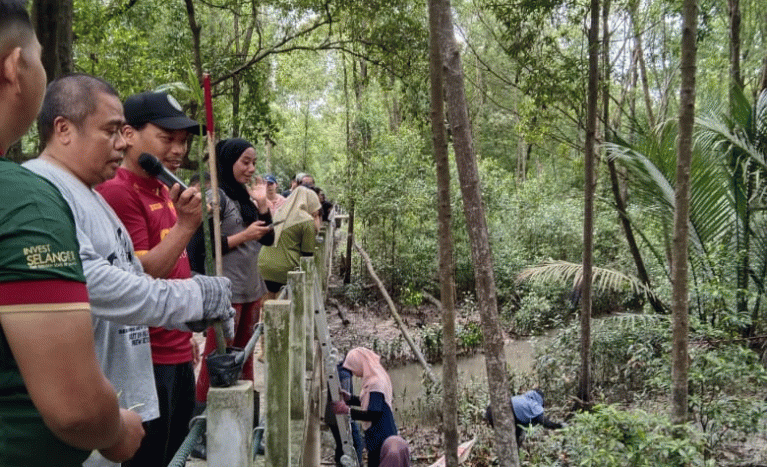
(55, 403)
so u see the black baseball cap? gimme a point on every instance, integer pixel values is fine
(161, 109)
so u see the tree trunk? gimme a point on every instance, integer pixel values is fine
(268, 144)
(763, 82)
(735, 76)
(605, 81)
(681, 215)
(395, 314)
(195, 29)
(349, 244)
(521, 154)
(445, 235)
(742, 232)
(584, 384)
(482, 259)
(620, 201)
(241, 51)
(236, 78)
(235, 106)
(394, 111)
(642, 67)
(53, 23)
(347, 266)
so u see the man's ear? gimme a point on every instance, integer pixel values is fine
(62, 130)
(9, 71)
(130, 134)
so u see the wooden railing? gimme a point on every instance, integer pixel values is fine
(293, 369)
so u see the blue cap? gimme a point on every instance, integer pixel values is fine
(270, 179)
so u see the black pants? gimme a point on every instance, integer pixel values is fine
(164, 435)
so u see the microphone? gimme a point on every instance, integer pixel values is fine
(154, 167)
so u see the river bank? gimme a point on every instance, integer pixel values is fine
(416, 410)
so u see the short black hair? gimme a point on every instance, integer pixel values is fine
(72, 97)
(15, 26)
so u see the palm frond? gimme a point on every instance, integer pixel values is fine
(603, 280)
(760, 121)
(630, 321)
(716, 136)
(653, 186)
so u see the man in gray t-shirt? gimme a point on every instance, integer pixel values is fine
(80, 123)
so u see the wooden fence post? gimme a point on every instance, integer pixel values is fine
(312, 445)
(308, 297)
(297, 345)
(278, 382)
(230, 425)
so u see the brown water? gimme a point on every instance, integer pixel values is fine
(407, 380)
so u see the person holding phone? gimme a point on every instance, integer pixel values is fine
(296, 224)
(245, 227)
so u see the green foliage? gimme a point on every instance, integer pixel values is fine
(472, 401)
(148, 46)
(630, 361)
(355, 293)
(537, 36)
(610, 437)
(411, 296)
(722, 381)
(390, 349)
(535, 314)
(469, 336)
(396, 205)
(727, 244)
(431, 342)
(627, 351)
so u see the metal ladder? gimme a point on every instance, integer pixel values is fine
(330, 360)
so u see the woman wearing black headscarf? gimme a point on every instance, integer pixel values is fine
(245, 226)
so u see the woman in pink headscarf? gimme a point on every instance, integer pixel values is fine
(374, 411)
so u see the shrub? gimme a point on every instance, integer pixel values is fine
(469, 336)
(721, 400)
(431, 342)
(610, 437)
(537, 313)
(627, 351)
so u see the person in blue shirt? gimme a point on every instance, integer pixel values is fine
(528, 411)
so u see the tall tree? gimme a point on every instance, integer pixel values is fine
(241, 50)
(679, 348)
(735, 20)
(481, 254)
(742, 235)
(53, 23)
(445, 229)
(634, 15)
(584, 385)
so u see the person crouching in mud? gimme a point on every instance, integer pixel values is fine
(528, 411)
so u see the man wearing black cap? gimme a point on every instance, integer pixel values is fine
(160, 222)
